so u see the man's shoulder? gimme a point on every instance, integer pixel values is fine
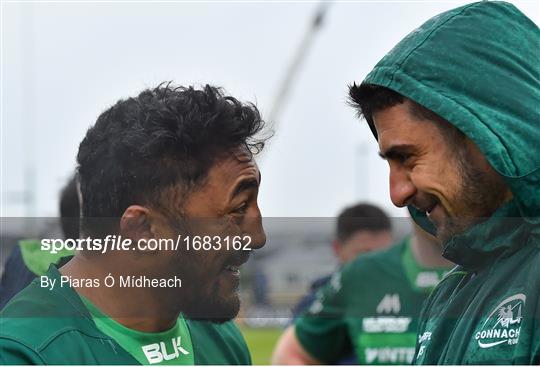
(359, 285)
(376, 263)
(31, 315)
(218, 343)
(32, 296)
(320, 282)
(37, 319)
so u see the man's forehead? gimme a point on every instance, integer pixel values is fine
(242, 155)
(236, 163)
(398, 123)
(391, 117)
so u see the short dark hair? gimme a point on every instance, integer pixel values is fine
(70, 209)
(370, 98)
(165, 137)
(361, 217)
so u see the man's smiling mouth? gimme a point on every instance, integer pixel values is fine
(233, 265)
(235, 270)
(429, 210)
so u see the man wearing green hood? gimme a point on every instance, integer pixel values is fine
(455, 110)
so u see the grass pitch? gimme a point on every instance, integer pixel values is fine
(261, 342)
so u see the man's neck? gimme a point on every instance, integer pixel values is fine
(135, 308)
(427, 251)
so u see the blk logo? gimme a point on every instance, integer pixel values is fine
(157, 352)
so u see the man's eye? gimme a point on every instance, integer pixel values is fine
(403, 157)
(241, 209)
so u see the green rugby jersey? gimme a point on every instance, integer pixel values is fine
(371, 306)
(40, 326)
(170, 347)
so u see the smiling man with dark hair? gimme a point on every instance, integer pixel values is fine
(454, 108)
(175, 165)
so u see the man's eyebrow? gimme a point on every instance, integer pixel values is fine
(396, 151)
(244, 185)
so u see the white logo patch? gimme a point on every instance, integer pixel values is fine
(157, 352)
(386, 324)
(427, 279)
(503, 324)
(389, 304)
(335, 281)
(423, 340)
(389, 355)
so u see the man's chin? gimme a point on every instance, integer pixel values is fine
(451, 228)
(216, 309)
(443, 235)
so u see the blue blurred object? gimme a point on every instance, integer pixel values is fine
(15, 278)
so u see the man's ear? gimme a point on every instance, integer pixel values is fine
(135, 223)
(336, 247)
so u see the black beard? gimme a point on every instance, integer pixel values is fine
(454, 226)
(481, 194)
(212, 307)
(197, 301)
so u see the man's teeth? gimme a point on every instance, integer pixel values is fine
(232, 268)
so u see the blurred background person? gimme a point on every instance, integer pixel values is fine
(360, 228)
(370, 307)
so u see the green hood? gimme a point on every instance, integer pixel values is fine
(478, 66)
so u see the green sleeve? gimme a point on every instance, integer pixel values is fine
(15, 353)
(322, 330)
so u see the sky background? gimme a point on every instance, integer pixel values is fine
(63, 63)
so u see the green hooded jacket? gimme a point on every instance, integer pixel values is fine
(478, 67)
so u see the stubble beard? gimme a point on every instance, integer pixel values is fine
(200, 296)
(481, 192)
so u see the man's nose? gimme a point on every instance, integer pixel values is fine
(402, 190)
(255, 230)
